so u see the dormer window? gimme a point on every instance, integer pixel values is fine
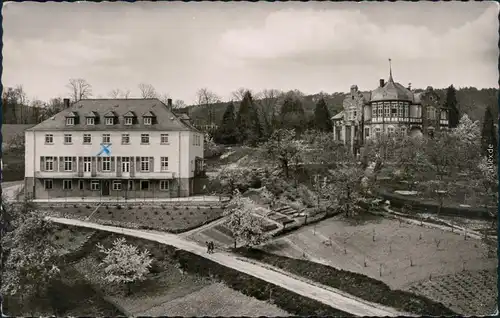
(109, 118)
(128, 121)
(91, 118)
(147, 121)
(148, 118)
(70, 121)
(90, 121)
(110, 121)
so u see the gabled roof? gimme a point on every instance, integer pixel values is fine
(166, 120)
(338, 116)
(92, 114)
(72, 114)
(129, 114)
(148, 114)
(110, 114)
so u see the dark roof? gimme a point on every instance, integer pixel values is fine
(110, 114)
(165, 119)
(129, 114)
(91, 114)
(72, 114)
(391, 91)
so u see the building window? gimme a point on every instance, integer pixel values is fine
(106, 138)
(144, 185)
(367, 132)
(48, 184)
(377, 132)
(110, 121)
(49, 163)
(87, 164)
(106, 164)
(125, 139)
(70, 121)
(164, 185)
(49, 139)
(380, 109)
(144, 164)
(390, 131)
(87, 139)
(117, 185)
(125, 164)
(431, 113)
(406, 108)
(443, 115)
(147, 121)
(90, 121)
(67, 139)
(81, 184)
(68, 163)
(164, 139)
(355, 114)
(145, 139)
(94, 185)
(67, 184)
(403, 131)
(130, 185)
(128, 121)
(164, 163)
(387, 109)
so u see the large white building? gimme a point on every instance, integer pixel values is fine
(390, 108)
(133, 148)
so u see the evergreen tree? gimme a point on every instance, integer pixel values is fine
(227, 132)
(322, 118)
(452, 105)
(292, 115)
(247, 121)
(489, 133)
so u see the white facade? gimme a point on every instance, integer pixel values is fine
(181, 150)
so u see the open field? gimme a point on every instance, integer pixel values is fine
(170, 290)
(166, 218)
(397, 254)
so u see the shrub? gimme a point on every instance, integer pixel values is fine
(118, 207)
(75, 206)
(140, 207)
(87, 206)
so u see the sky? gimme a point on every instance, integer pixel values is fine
(181, 47)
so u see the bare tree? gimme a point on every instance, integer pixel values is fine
(79, 89)
(164, 98)
(147, 91)
(126, 93)
(179, 103)
(269, 106)
(207, 99)
(115, 93)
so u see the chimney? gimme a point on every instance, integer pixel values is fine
(66, 102)
(169, 103)
(382, 82)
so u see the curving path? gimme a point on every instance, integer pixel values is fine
(323, 294)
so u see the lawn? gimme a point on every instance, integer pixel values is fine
(165, 218)
(170, 290)
(397, 254)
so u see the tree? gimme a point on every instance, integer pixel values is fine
(485, 182)
(231, 179)
(147, 91)
(207, 99)
(346, 184)
(452, 105)
(126, 93)
(227, 133)
(32, 260)
(247, 121)
(284, 148)
(489, 134)
(179, 103)
(239, 94)
(322, 118)
(410, 161)
(243, 224)
(468, 136)
(79, 89)
(115, 93)
(292, 115)
(125, 264)
(269, 106)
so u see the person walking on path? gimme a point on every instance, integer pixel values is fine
(208, 246)
(211, 247)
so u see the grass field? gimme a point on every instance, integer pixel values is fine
(171, 219)
(398, 254)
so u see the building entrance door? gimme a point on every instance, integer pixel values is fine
(105, 188)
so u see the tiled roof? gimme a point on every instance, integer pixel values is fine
(391, 91)
(165, 119)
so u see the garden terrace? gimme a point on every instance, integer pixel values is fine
(173, 219)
